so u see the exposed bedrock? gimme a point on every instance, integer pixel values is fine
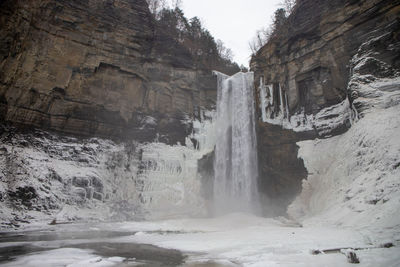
(281, 171)
(96, 68)
(309, 57)
(305, 70)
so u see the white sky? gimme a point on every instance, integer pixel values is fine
(235, 22)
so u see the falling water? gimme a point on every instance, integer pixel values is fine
(235, 165)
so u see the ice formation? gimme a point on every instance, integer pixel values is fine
(98, 179)
(235, 164)
(324, 122)
(355, 178)
(168, 183)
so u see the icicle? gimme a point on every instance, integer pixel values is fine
(287, 107)
(263, 100)
(281, 101)
(271, 92)
(353, 114)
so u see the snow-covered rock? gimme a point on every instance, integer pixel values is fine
(46, 176)
(354, 178)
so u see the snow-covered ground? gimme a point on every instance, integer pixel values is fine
(232, 240)
(355, 179)
(245, 240)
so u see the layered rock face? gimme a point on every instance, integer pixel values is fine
(302, 80)
(354, 178)
(46, 176)
(310, 57)
(96, 68)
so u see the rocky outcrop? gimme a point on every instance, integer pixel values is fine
(45, 176)
(96, 68)
(281, 171)
(355, 175)
(309, 58)
(302, 80)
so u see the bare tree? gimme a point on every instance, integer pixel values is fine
(261, 37)
(288, 5)
(228, 54)
(243, 68)
(253, 47)
(156, 6)
(191, 35)
(223, 52)
(177, 4)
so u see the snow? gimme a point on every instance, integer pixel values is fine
(204, 132)
(324, 122)
(349, 202)
(169, 182)
(98, 179)
(260, 242)
(231, 240)
(68, 257)
(355, 178)
(247, 240)
(378, 93)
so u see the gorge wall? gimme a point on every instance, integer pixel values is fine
(101, 69)
(103, 116)
(302, 80)
(97, 68)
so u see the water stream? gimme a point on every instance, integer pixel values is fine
(235, 166)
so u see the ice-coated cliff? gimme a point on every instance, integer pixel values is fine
(46, 176)
(355, 178)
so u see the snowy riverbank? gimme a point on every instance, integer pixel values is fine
(232, 240)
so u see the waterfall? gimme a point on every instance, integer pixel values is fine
(235, 167)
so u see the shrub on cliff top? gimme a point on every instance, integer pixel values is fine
(206, 52)
(279, 19)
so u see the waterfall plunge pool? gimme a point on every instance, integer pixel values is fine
(231, 240)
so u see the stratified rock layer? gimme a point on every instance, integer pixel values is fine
(47, 176)
(96, 68)
(309, 58)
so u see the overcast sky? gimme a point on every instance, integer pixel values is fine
(233, 21)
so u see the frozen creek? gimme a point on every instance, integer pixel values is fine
(232, 240)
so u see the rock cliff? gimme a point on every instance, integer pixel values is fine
(96, 68)
(45, 176)
(302, 80)
(309, 58)
(99, 68)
